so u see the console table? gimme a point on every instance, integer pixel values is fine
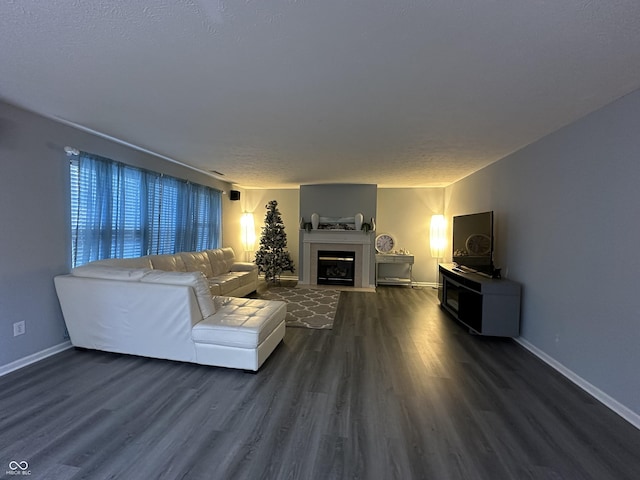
(487, 306)
(397, 259)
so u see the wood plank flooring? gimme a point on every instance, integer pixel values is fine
(397, 390)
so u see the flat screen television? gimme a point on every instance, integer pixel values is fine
(473, 242)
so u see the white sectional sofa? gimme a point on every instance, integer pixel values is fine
(224, 275)
(157, 313)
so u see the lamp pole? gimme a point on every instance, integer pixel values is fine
(437, 241)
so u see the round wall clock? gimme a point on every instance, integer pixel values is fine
(385, 243)
(478, 244)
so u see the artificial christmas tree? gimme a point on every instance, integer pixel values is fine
(272, 259)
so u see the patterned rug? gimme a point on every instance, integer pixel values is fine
(306, 307)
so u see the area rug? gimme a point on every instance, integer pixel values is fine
(306, 307)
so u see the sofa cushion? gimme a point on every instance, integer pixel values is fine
(91, 270)
(243, 267)
(214, 288)
(216, 260)
(192, 279)
(197, 262)
(229, 257)
(227, 282)
(240, 322)
(168, 262)
(243, 278)
(249, 278)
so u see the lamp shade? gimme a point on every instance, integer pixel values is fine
(438, 236)
(247, 227)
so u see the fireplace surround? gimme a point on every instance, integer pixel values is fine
(357, 242)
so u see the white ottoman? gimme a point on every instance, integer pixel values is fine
(241, 334)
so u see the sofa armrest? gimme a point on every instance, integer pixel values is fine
(243, 267)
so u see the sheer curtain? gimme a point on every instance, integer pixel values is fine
(197, 223)
(120, 211)
(105, 207)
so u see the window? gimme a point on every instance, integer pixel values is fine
(118, 211)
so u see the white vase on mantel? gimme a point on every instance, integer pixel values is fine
(358, 221)
(315, 220)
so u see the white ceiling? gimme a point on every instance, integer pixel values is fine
(278, 93)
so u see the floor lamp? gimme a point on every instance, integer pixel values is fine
(248, 229)
(437, 241)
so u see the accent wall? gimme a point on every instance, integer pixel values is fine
(567, 227)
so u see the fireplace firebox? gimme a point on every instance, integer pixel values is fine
(336, 268)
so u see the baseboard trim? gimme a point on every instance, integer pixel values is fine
(629, 415)
(288, 277)
(280, 277)
(433, 285)
(36, 357)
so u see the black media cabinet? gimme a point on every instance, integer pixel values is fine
(487, 306)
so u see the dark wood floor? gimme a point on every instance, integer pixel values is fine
(397, 390)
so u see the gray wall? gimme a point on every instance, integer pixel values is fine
(567, 225)
(34, 219)
(338, 200)
(406, 214)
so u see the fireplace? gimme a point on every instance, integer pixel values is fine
(356, 242)
(336, 268)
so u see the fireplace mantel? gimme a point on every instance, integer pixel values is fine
(357, 241)
(336, 236)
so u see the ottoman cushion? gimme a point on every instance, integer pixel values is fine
(240, 322)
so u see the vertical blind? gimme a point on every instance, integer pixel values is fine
(119, 211)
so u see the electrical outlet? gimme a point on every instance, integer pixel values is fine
(19, 328)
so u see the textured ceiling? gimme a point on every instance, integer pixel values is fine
(278, 93)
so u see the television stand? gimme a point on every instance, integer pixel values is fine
(487, 306)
